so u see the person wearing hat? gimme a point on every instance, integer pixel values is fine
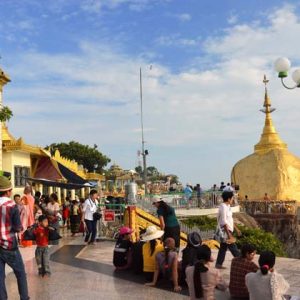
(202, 278)
(152, 246)
(168, 221)
(189, 253)
(10, 224)
(122, 257)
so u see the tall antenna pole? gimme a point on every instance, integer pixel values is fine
(144, 152)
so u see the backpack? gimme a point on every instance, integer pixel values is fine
(137, 254)
(28, 234)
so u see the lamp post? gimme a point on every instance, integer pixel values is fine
(282, 66)
(144, 152)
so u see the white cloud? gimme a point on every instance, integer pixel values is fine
(233, 19)
(96, 6)
(255, 40)
(176, 40)
(184, 17)
(95, 94)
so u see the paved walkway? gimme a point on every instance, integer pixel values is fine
(86, 272)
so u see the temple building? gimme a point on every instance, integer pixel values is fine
(34, 165)
(117, 179)
(28, 164)
(271, 169)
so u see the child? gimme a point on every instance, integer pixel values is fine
(123, 250)
(42, 252)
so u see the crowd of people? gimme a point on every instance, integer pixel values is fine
(157, 256)
(157, 253)
(161, 267)
(39, 218)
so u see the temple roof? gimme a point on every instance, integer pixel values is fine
(6, 135)
(10, 144)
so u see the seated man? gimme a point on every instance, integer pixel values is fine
(240, 267)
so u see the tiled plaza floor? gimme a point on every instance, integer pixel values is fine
(86, 272)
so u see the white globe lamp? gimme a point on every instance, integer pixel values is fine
(296, 77)
(282, 66)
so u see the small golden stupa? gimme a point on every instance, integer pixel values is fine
(271, 169)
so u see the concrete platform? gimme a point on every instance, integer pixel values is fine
(86, 272)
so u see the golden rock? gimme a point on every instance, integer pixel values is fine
(271, 168)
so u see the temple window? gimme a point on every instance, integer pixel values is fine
(21, 173)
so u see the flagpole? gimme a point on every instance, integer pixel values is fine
(144, 152)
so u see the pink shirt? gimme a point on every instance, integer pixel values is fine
(28, 202)
(210, 280)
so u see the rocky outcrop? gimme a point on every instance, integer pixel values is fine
(246, 220)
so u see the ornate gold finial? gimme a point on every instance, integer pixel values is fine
(267, 102)
(269, 138)
(265, 81)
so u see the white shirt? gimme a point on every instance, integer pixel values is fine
(269, 286)
(54, 208)
(228, 188)
(225, 216)
(89, 208)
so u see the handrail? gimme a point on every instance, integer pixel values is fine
(275, 207)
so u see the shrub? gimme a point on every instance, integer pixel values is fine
(203, 222)
(261, 239)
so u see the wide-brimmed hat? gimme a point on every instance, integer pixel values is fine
(152, 233)
(125, 230)
(156, 199)
(5, 184)
(194, 239)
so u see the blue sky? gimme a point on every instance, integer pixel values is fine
(75, 64)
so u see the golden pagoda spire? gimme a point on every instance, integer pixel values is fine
(4, 79)
(269, 138)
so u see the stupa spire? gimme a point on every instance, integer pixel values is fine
(269, 138)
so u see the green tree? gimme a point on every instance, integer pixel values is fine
(139, 170)
(5, 114)
(89, 157)
(152, 172)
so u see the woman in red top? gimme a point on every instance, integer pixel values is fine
(66, 212)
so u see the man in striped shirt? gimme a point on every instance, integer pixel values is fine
(10, 224)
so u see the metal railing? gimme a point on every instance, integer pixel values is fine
(146, 204)
(209, 199)
(256, 207)
(110, 229)
(205, 234)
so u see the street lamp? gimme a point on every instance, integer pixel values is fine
(282, 66)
